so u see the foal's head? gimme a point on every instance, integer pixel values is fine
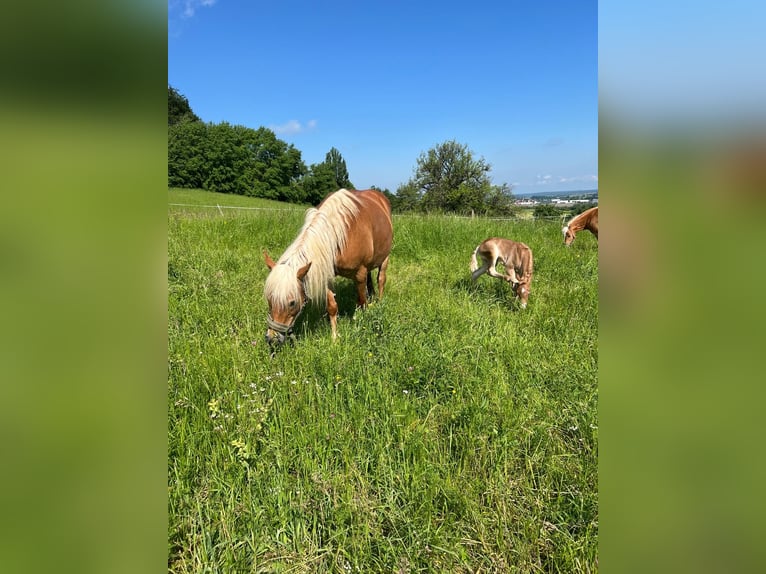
(286, 296)
(521, 290)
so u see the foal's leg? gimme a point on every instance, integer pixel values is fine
(481, 270)
(493, 270)
(332, 310)
(511, 275)
(382, 277)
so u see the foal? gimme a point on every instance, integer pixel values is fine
(515, 256)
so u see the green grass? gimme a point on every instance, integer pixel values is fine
(179, 198)
(444, 431)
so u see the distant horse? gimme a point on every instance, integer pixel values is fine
(586, 220)
(349, 235)
(515, 256)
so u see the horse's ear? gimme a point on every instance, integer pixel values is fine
(303, 270)
(269, 261)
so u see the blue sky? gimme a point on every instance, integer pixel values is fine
(682, 61)
(515, 81)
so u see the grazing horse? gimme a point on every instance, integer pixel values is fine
(515, 256)
(349, 234)
(588, 219)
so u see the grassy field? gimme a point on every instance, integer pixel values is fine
(180, 198)
(444, 431)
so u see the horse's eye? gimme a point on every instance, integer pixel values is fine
(292, 304)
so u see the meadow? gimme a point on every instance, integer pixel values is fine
(446, 430)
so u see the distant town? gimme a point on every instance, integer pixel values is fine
(557, 198)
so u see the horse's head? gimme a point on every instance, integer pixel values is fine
(568, 235)
(286, 296)
(521, 290)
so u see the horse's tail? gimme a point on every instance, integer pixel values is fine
(474, 263)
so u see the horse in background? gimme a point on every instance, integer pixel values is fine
(349, 235)
(588, 219)
(517, 259)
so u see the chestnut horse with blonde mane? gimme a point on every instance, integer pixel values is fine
(349, 235)
(588, 219)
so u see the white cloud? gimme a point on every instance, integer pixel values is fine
(187, 8)
(547, 179)
(543, 179)
(293, 127)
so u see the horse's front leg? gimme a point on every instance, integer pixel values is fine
(360, 279)
(332, 311)
(511, 276)
(370, 286)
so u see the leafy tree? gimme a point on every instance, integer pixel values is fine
(449, 178)
(319, 182)
(326, 177)
(338, 165)
(179, 108)
(273, 168)
(187, 154)
(234, 159)
(407, 198)
(546, 210)
(499, 201)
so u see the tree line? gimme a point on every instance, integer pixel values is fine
(236, 159)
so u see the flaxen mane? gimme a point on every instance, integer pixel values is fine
(588, 219)
(322, 236)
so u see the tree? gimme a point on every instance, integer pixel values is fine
(499, 201)
(546, 210)
(338, 167)
(326, 177)
(179, 108)
(187, 154)
(448, 178)
(319, 182)
(234, 159)
(407, 198)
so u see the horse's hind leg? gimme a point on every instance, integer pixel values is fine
(382, 277)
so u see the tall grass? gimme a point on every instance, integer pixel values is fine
(444, 431)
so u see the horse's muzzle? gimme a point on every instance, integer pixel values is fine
(278, 333)
(274, 338)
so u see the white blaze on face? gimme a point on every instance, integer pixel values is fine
(564, 230)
